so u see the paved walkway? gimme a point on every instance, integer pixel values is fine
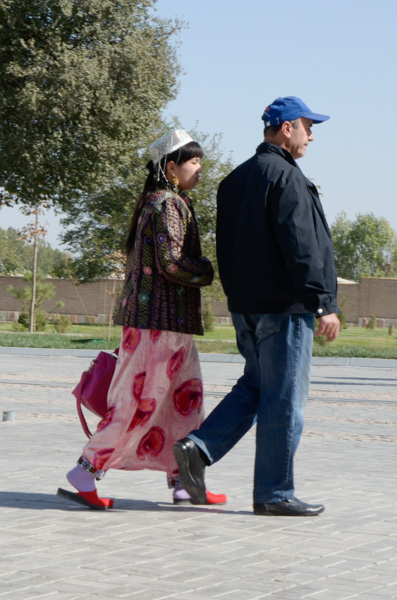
(150, 550)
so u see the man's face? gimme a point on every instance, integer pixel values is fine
(300, 136)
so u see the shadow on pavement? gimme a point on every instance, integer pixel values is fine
(34, 501)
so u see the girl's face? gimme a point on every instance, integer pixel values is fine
(188, 173)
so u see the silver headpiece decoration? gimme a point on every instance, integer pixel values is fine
(167, 144)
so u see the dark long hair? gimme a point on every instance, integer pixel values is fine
(152, 184)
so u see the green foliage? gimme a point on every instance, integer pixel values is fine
(96, 227)
(83, 86)
(12, 252)
(390, 329)
(62, 323)
(371, 322)
(342, 314)
(215, 168)
(41, 319)
(208, 317)
(44, 291)
(319, 340)
(17, 326)
(16, 256)
(364, 247)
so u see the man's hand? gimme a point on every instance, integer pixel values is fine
(329, 326)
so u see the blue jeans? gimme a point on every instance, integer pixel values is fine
(272, 392)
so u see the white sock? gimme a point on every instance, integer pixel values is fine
(81, 479)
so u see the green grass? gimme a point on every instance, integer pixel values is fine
(78, 336)
(360, 342)
(352, 342)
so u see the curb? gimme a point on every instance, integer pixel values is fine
(332, 361)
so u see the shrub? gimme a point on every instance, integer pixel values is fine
(62, 323)
(371, 322)
(320, 340)
(41, 319)
(342, 314)
(208, 317)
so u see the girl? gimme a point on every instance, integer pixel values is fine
(156, 395)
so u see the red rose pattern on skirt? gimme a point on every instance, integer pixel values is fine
(175, 363)
(131, 338)
(155, 334)
(139, 382)
(152, 443)
(146, 408)
(102, 456)
(189, 397)
(155, 398)
(108, 418)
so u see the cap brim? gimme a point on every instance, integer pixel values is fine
(316, 118)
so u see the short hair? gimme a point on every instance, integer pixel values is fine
(274, 129)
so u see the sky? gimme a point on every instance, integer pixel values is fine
(340, 57)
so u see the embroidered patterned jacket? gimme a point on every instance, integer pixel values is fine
(165, 270)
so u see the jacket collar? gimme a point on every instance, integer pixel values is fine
(268, 148)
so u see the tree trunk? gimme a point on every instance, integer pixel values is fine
(32, 326)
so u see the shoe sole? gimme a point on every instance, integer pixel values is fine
(289, 514)
(197, 495)
(189, 502)
(183, 502)
(78, 499)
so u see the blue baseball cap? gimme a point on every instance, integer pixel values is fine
(288, 109)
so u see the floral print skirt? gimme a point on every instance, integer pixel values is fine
(155, 399)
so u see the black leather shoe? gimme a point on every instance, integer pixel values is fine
(288, 508)
(191, 470)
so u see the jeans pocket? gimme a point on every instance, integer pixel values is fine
(269, 324)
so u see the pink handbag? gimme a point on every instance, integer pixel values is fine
(92, 391)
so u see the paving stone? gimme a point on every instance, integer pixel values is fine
(147, 548)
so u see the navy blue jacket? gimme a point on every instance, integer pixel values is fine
(274, 246)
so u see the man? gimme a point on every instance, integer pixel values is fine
(276, 266)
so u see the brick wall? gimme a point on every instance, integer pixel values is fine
(85, 303)
(374, 295)
(349, 300)
(90, 302)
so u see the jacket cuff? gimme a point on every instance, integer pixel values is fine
(326, 309)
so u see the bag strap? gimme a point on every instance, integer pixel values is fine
(82, 419)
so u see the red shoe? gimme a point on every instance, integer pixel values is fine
(89, 499)
(181, 496)
(216, 498)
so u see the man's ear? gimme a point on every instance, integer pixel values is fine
(286, 128)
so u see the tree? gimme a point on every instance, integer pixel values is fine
(12, 252)
(32, 232)
(83, 83)
(42, 291)
(215, 168)
(97, 225)
(16, 256)
(364, 247)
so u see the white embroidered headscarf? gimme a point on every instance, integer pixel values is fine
(167, 144)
